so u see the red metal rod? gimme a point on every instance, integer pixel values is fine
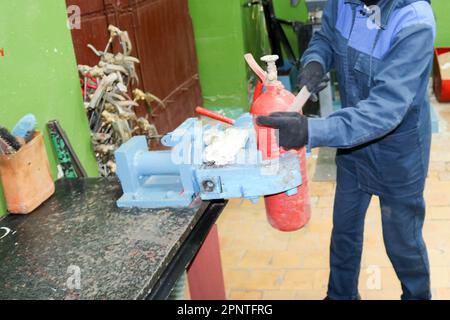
(213, 115)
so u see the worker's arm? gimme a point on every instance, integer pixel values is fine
(320, 48)
(393, 93)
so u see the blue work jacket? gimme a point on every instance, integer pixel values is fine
(383, 58)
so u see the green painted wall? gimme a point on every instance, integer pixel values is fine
(255, 32)
(441, 9)
(39, 74)
(218, 28)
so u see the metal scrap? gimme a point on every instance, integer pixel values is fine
(111, 109)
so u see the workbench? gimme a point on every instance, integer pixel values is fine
(79, 245)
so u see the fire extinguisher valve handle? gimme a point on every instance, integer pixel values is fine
(272, 72)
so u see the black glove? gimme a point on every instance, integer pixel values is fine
(292, 128)
(370, 2)
(314, 78)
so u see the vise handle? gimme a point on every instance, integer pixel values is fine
(213, 115)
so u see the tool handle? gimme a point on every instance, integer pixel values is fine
(204, 112)
(300, 100)
(255, 67)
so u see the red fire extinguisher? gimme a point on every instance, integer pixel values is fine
(284, 212)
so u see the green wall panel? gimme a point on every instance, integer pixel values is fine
(255, 31)
(39, 74)
(441, 9)
(218, 29)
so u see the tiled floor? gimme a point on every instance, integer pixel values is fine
(262, 263)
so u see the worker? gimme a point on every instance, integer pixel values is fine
(382, 52)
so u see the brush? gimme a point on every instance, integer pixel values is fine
(9, 139)
(25, 128)
(5, 148)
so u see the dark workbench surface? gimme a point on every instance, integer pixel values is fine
(120, 253)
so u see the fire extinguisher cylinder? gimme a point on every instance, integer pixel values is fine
(284, 212)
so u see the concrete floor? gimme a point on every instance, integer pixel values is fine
(262, 263)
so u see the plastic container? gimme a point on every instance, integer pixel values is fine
(26, 177)
(441, 82)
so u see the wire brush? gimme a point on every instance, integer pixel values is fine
(9, 139)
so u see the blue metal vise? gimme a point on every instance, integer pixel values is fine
(172, 178)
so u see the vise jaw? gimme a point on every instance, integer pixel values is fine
(173, 178)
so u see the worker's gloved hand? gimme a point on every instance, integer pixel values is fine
(314, 78)
(292, 128)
